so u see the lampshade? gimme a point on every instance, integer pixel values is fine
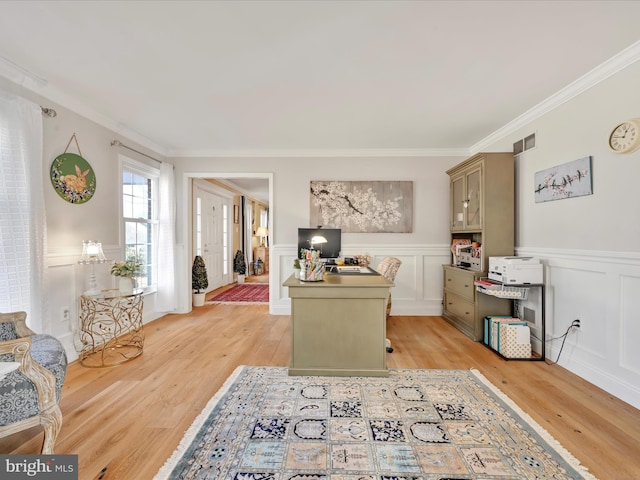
(262, 232)
(92, 252)
(317, 239)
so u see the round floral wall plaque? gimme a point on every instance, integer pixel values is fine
(73, 178)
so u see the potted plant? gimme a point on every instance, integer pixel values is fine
(240, 266)
(296, 268)
(126, 273)
(199, 281)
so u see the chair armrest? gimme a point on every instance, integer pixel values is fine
(43, 379)
(19, 320)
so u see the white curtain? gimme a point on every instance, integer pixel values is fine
(166, 300)
(22, 213)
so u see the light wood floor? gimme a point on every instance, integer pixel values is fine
(129, 419)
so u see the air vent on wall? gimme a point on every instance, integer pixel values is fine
(527, 143)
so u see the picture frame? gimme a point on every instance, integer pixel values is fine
(572, 179)
(362, 206)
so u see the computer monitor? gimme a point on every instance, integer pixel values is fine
(330, 249)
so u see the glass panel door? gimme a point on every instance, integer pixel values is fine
(457, 203)
(474, 203)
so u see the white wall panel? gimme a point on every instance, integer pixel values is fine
(602, 288)
(629, 337)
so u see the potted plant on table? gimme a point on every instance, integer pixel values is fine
(240, 266)
(199, 281)
(296, 268)
(126, 272)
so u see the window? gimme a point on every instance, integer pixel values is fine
(140, 219)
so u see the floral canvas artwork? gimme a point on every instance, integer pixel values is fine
(363, 206)
(572, 179)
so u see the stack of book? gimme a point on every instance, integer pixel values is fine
(509, 336)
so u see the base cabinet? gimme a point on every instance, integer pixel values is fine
(464, 308)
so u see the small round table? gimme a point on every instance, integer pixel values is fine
(110, 328)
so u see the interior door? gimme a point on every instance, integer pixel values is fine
(210, 237)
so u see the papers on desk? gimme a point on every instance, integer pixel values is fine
(350, 269)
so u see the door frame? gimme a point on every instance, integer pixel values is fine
(184, 287)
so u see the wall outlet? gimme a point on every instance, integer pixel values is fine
(66, 314)
(577, 323)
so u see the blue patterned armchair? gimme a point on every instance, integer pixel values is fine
(29, 395)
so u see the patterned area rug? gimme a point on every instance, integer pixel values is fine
(415, 424)
(250, 293)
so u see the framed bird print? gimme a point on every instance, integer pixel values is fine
(568, 180)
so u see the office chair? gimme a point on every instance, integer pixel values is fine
(388, 267)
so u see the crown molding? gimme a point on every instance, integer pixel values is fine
(40, 86)
(610, 67)
(282, 153)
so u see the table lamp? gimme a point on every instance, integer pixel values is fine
(91, 254)
(317, 240)
(262, 232)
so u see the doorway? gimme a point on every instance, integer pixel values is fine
(189, 182)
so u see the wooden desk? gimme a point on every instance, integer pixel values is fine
(338, 325)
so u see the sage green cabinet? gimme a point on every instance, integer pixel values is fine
(465, 308)
(482, 209)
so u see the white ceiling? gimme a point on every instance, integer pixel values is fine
(306, 77)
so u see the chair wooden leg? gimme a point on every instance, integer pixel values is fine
(51, 422)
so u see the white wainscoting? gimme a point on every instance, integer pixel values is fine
(418, 283)
(602, 289)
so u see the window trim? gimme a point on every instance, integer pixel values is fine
(140, 168)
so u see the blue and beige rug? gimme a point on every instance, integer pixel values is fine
(415, 424)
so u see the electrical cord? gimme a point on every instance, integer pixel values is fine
(574, 324)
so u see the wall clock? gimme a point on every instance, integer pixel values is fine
(625, 138)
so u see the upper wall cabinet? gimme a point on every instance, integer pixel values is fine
(482, 203)
(466, 200)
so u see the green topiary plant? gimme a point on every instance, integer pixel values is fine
(199, 280)
(239, 265)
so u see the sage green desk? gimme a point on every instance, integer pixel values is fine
(338, 325)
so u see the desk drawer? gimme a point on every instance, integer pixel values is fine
(461, 308)
(460, 282)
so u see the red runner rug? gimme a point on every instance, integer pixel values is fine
(244, 293)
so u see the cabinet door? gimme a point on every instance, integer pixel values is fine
(457, 203)
(473, 199)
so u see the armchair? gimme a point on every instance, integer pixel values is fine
(388, 267)
(30, 394)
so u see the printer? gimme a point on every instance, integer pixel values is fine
(515, 270)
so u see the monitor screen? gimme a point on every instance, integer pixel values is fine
(330, 249)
